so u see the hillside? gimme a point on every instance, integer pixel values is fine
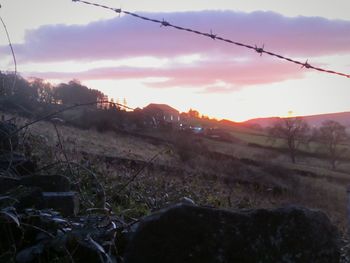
(211, 172)
(313, 120)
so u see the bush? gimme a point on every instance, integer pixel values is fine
(188, 145)
(8, 143)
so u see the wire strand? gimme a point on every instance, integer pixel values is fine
(216, 37)
(12, 51)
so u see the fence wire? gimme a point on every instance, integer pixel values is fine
(259, 50)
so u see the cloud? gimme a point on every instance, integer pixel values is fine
(205, 74)
(216, 62)
(130, 37)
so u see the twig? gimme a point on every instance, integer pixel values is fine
(39, 229)
(102, 190)
(12, 51)
(51, 236)
(92, 174)
(141, 169)
(62, 149)
(11, 156)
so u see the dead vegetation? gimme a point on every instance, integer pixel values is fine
(121, 177)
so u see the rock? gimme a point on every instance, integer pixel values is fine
(65, 202)
(48, 183)
(186, 233)
(187, 200)
(7, 142)
(27, 197)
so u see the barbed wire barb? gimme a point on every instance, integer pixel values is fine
(165, 23)
(306, 64)
(260, 50)
(211, 35)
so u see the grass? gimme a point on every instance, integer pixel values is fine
(213, 174)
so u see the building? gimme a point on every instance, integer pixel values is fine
(161, 113)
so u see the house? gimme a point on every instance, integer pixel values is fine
(161, 113)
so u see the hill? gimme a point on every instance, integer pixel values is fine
(313, 120)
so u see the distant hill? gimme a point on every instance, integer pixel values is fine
(313, 120)
(229, 123)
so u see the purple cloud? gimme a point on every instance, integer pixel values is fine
(129, 37)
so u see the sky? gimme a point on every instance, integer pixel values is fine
(124, 57)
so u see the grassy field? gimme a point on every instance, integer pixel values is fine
(262, 138)
(214, 173)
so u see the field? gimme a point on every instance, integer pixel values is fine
(145, 171)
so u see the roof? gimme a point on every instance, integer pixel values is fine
(162, 107)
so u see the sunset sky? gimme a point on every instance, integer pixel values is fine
(59, 40)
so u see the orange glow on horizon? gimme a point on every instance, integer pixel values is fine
(274, 100)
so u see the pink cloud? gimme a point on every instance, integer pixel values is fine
(129, 37)
(204, 74)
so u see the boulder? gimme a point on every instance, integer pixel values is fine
(27, 197)
(187, 233)
(65, 202)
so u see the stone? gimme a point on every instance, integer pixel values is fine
(27, 197)
(65, 202)
(48, 183)
(187, 233)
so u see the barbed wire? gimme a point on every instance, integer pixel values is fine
(259, 50)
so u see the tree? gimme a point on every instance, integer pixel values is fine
(332, 134)
(125, 103)
(293, 131)
(44, 90)
(193, 113)
(74, 93)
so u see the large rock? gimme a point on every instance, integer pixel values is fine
(27, 197)
(187, 233)
(65, 202)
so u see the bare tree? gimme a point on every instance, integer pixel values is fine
(293, 131)
(332, 134)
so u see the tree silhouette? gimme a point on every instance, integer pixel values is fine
(74, 93)
(332, 134)
(293, 131)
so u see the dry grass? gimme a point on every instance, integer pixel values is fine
(109, 144)
(328, 196)
(202, 179)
